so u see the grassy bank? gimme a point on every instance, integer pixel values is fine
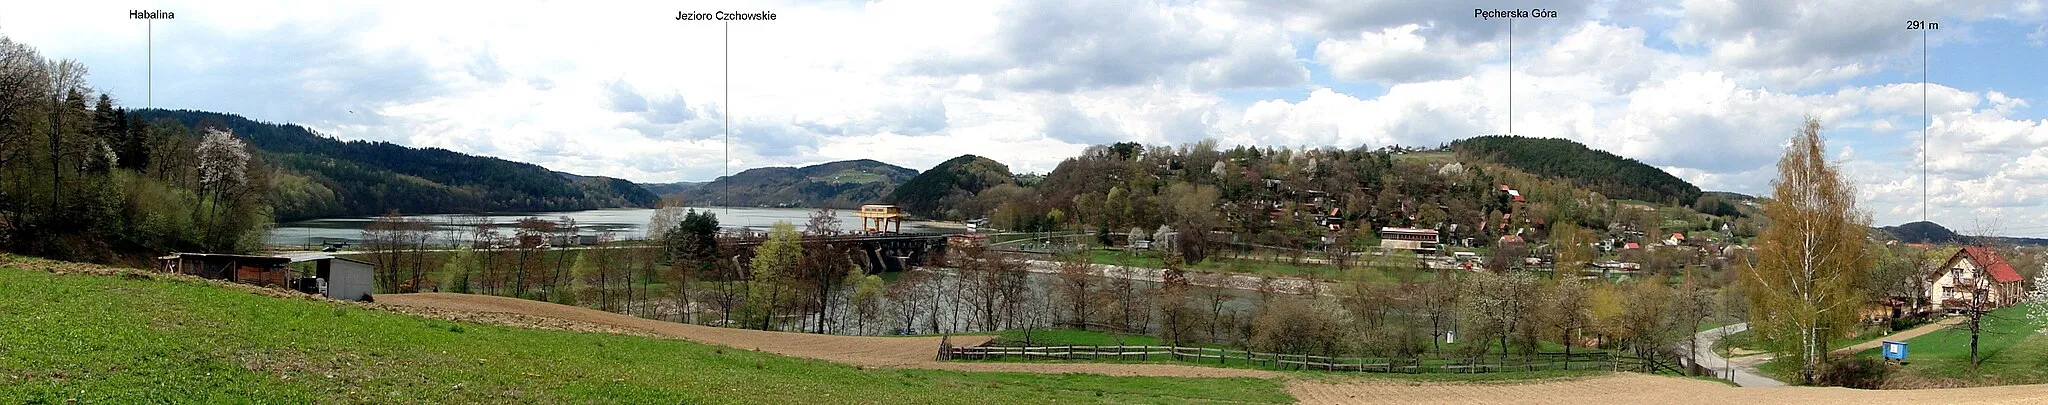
(120, 340)
(2012, 349)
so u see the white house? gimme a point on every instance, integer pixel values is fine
(1418, 240)
(1974, 270)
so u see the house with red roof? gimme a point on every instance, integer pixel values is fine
(1973, 273)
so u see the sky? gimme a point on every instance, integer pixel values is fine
(1709, 90)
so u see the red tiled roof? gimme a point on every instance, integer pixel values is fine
(1989, 260)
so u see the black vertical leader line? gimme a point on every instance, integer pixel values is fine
(1926, 123)
(1511, 75)
(728, 120)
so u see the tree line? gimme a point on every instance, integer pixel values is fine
(88, 180)
(324, 177)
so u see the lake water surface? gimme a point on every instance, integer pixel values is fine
(626, 223)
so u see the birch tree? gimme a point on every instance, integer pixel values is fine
(1804, 285)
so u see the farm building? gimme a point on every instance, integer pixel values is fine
(246, 269)
(312, 273)
(335, 277)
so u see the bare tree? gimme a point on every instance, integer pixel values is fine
(384, 241)
(823, 222)
(907, 299)
(66, 77)
(1176, 317)
(1078, 279)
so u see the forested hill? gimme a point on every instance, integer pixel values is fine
(842, 184)
(321, 176)
(946, 186)
(1924, 232)
(1602, 172)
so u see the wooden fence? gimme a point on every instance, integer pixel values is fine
(1589, 360)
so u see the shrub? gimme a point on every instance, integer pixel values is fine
(1908, 322)
(1855, 372)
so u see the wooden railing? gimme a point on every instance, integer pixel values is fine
(1589, 360)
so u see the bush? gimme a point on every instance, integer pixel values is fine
(1908, 322)
(1855, 372)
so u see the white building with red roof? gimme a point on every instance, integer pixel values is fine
(1972, 271)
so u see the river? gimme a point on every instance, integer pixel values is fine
(627, 223)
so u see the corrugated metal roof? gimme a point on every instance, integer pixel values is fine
(297, 257)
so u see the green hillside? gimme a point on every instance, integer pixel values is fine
(1613, 176)
(322, 176)
(113, 339)
(933, 193)
(842, 184)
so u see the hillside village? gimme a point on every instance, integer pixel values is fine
(138, 263)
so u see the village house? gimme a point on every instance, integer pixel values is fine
(1955, 285)
(1675, 239)
(1419, 240)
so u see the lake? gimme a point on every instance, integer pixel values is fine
(626, 223)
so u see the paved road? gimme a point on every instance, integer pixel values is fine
(1741, 374)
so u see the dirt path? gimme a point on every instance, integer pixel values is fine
(1640, 389)
(1902, 336)
(870, 351)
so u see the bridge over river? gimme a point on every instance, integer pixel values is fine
(879, 252)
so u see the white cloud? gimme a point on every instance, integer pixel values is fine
(1401, 55)
(1707, 89)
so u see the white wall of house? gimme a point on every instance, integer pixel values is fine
(1960, 278)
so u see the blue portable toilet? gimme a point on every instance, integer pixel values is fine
(1895, 350)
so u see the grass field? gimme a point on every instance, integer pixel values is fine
(1073, 337)
(105, 339)
(2012, 350)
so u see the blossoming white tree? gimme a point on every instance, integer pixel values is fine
(2038, 300)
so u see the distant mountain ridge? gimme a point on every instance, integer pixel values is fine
(1933, 233)
(841, 184)
(666, 189)
(320, 176)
